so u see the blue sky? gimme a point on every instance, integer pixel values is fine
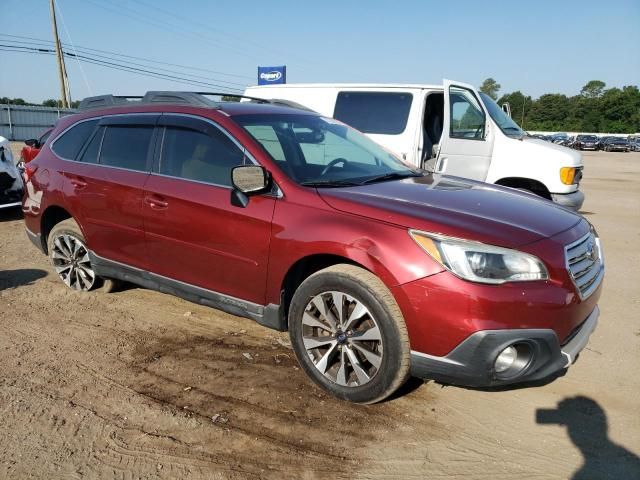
(536, 47)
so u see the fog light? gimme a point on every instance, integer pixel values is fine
(506, 359)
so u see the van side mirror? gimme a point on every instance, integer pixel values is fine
(248, 180)
(32, 142)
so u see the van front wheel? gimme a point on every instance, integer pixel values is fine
(349, 335)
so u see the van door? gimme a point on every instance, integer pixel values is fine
(466, 145)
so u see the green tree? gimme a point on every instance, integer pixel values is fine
(490, 87)
(549, 112)
(50, 103)
(520, 106)
(593, 89)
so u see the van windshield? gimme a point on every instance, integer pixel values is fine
(323, 152)
(504, 121)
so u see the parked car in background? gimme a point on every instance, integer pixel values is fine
(11, 186)
(376, 268)
(450, 128)
(559, 138)
(634, 144)
(32, 147)
(586, 142)
(616, 144)
(601, 141)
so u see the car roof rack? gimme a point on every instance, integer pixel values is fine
(198, 99)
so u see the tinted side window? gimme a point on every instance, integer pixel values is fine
(374, 112)
(194, 155)
(126, 146)
(69, 144)
(44, 137)
(90, 154)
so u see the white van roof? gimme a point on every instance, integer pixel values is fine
(351, 85)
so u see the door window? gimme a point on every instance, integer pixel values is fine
(126, 146)
(467, 117)
(374, 112)
(195, 155)
(43, 138)
(70, 143)
(90, 154)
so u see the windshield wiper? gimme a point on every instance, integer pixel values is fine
(391, 176)
(330, 183)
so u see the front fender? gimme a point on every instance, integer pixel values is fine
(301, 231)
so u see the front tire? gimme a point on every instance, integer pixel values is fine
(69, 256)
(349, 335)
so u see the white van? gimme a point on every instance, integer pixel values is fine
(480, 141)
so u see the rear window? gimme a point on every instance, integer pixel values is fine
(126, 146)
(374, 112)
(69, 144)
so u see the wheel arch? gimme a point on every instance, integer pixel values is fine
(530, 184)
(302, 269)
(53, 215)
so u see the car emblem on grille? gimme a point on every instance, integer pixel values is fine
(592, 252)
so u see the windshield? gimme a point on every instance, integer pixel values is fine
(318, 151)
(504, 121)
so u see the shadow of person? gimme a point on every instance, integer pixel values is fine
(21, 277)
(587, 427)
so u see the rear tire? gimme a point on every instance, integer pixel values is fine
(349, 335)
(69, 256)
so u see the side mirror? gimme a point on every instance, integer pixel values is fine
(32, 142)
(248, 180)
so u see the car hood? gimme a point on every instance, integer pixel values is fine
(457, 207)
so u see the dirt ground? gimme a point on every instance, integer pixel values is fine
(139, 384)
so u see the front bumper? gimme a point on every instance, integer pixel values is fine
(572, 201)
(471, 363)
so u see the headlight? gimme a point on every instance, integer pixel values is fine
(479, 262)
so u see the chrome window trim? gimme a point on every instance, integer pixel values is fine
(100, 117)
(75, 124)
(246, 153)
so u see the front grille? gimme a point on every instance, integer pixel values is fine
(585, 264)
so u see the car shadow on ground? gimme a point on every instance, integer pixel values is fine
(587, 427)
(10, 214)
(19, 278)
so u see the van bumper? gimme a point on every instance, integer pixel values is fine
(572, 201)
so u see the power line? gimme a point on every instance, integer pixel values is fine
(228, 84)
(37, 41)
(165, 26)
(116, 66)
(208, 27)
(84, 75)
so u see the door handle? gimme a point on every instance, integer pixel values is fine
(156, 203)
(78, 183)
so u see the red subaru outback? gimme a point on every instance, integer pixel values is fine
(297, 221)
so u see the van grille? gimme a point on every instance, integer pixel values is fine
(585, 264)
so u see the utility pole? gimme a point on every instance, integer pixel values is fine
(65, 94)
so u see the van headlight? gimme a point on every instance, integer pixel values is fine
(479, 262)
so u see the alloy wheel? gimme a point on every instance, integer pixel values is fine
(342, 338)
(71, 261)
